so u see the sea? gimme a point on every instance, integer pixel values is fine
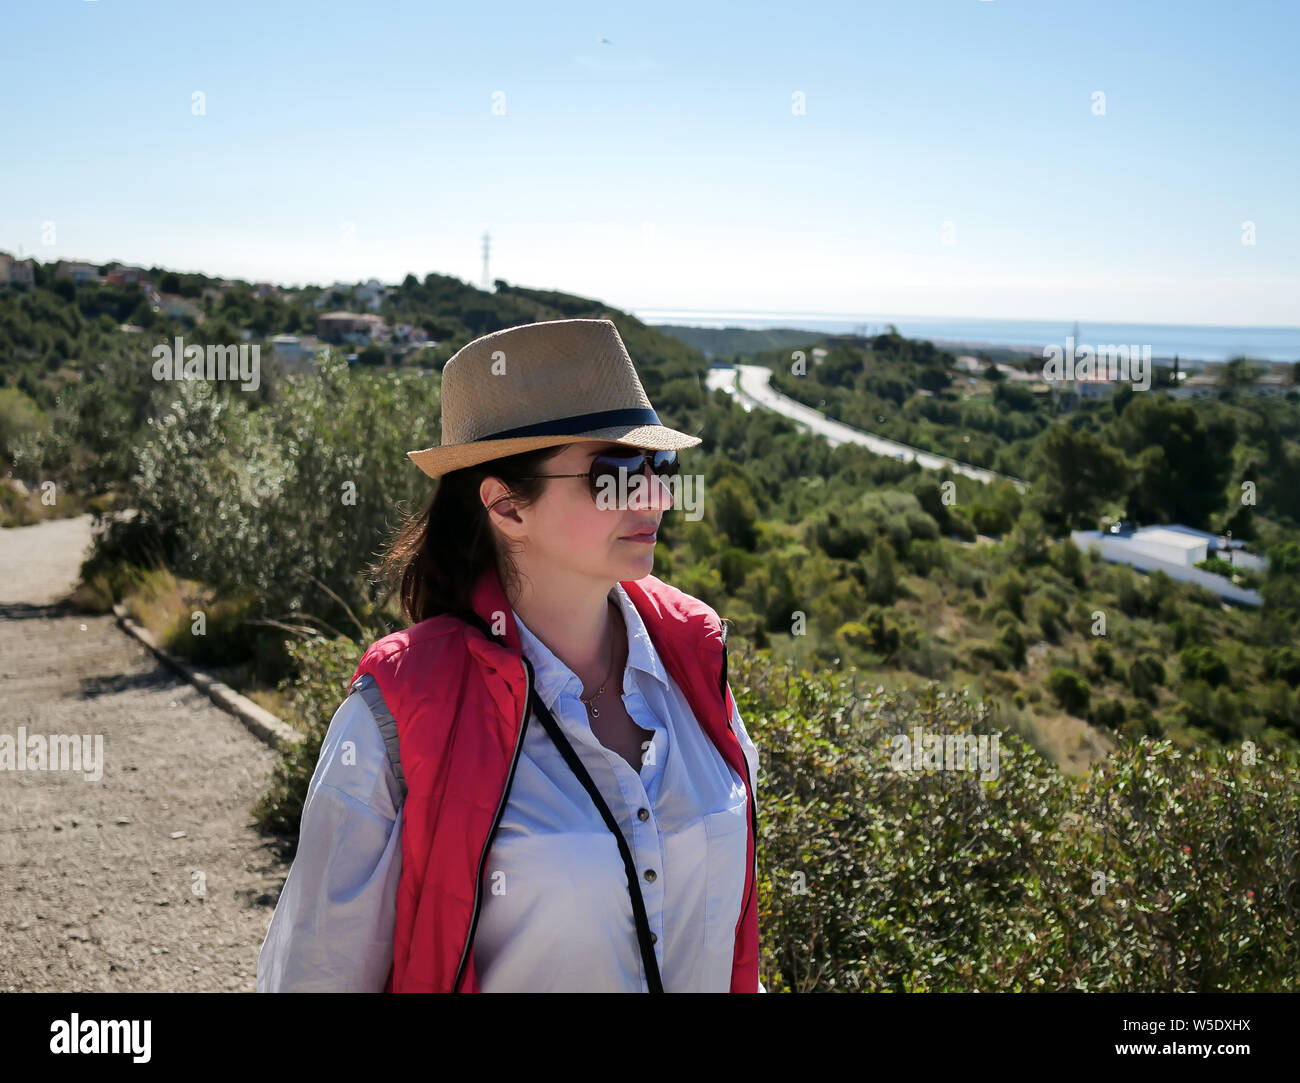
(1188, 342)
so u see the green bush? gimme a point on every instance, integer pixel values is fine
(1103, 659)
(1280, 706)
(1051, 618)
(1070, 689)
(1145, 675)
(1013, 643)
(993, 655)
(1283, 663)
(1009, 591)
(928, 657)
(1159, 870)
(1109, 713)
(227, 637)
(323, 669)
(875, 634)
(1203, 664)
(883, 582)
(734, 564)
(993, 522)
(1068, 559)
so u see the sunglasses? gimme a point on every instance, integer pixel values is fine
(612, 472)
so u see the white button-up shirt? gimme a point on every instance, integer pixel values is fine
(555, 914)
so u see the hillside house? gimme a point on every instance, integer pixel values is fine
(16, 272)
(176, 307)
(353, 328)
(296, 353)
(76, 270)
(126, 276)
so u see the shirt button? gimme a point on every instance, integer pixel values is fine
(643, 814)
(650, 875)
(654, 938)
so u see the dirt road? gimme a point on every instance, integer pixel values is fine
(151, 878)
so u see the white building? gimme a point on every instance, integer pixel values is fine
(296, 352)
(1174, 550)
(1233, 550)
(1174, 546)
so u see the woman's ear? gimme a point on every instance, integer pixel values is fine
(500, 506)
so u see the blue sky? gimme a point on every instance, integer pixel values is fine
(669, 168)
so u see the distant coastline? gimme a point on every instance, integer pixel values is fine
(1191, 343)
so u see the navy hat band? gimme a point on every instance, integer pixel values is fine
(577, 424)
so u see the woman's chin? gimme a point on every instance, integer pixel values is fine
(640, 567)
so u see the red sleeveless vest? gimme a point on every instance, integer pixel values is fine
(460, 700)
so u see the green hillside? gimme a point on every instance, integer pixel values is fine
(826, 557)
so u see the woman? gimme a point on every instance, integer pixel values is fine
(543, 784)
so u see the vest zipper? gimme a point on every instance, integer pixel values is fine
(753, 805)
(496, 822)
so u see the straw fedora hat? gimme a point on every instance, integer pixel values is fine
(538, 385)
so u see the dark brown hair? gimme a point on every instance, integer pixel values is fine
(440, 550)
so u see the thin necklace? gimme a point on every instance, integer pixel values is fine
(589, 701)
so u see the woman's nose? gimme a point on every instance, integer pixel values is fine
(658, 493)
(661, 488)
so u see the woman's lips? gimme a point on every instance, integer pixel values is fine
(641, 537)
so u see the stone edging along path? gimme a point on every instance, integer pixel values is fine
(262, 723)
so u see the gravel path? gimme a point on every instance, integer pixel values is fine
(95, 892)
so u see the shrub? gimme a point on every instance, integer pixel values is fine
(1188, 632)
(1280, 706)
(987, 654)
(1067, 558)
(993, 522)
(1013, 642)
(1145, 675)
(876, 879)
(1128, 592)
(734, 564)
(1070, 690)
(1203, 664)
(883, 576)
(874, 633)
(1051, 618)
(735, 512)
(959, 526)
(926, 657)
(1009, 591)
(855, 635)
(1283, 663)
(318, 688)
(1109, 713)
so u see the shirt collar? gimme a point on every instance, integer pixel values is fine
(553, 677)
